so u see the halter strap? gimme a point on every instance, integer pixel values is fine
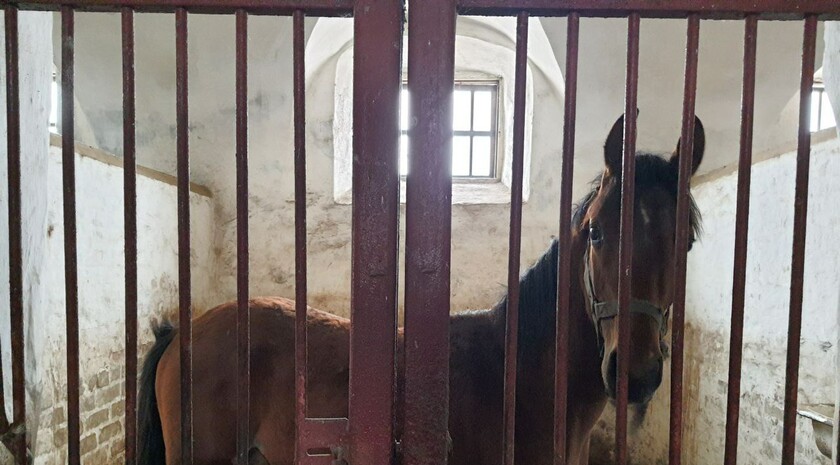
(603, 310)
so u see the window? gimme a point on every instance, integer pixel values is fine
(474, 126)
(822, 116)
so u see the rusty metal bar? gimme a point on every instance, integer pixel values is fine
(564, 246)
(625, 260)
(243, 318)
(15, 231)
(130, 225)
(261, 7)
(431, 76)
(681, 240)
(184, 274)
(71, 279)
(742, 215)
(300, 231)
(375, 228)
(800, 215)
(707, 9)
(515, 239)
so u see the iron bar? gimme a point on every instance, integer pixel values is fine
(260, 7)
(681, 239)
(184, 273)
(515, 238)
(130, 225)
(564, 245)
(375, 228)
(243, 320)
(706, 9)
(71, 280)
(800, 215)
(15, 230)
(625, 260)
(300, 231)
(431, 76)
(742, 214)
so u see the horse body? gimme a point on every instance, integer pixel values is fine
(476, 380)
(477, 345)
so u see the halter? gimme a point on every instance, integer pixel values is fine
(604, 310)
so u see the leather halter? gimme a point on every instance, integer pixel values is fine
(600, 310)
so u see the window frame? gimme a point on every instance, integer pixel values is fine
(818, 88)
(473, 85)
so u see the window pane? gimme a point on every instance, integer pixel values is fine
(827, 116)
(483, 116)
(403, 155)
(404, 109)
(482, 158)
(461, 156)
(815, 110)
(461, 113)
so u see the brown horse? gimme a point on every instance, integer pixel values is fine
(476, 340)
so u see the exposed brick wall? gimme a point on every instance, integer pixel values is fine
(102, 408)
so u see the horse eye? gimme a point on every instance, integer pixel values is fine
(595, 236)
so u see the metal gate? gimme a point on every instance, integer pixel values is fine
(367, 435)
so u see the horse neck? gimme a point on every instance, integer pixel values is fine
(537, 312)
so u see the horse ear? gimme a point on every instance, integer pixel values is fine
(614, 147)
(699, 148)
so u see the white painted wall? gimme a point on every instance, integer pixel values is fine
(35, 70)
(101, 269)
(831, 76)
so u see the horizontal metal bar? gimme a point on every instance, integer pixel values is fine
(706, 9)
(315, 432)
(255, 7)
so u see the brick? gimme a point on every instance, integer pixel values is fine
(60, 437)
(118, 409)
(108, 395)
(58, 416)
(117, 449)
(87, 403)
(97, 418)
(88, 444)
(102, 379)
(112, 430)
(97, 457)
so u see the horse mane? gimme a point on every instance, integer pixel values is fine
(538, 285)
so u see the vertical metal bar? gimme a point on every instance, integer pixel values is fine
(564, 272)
(800, 215)
(130, 224)
(15, 231)
(184, 275)
(431, 74)
(742, 215)
(243, 320)
(375, 227)
(300, 229)
(515, 238)
(71, 281)
(681, 239)
(625, 261)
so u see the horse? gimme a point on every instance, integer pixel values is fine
(477, 344)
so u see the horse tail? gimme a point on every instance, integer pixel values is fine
(150, 446)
